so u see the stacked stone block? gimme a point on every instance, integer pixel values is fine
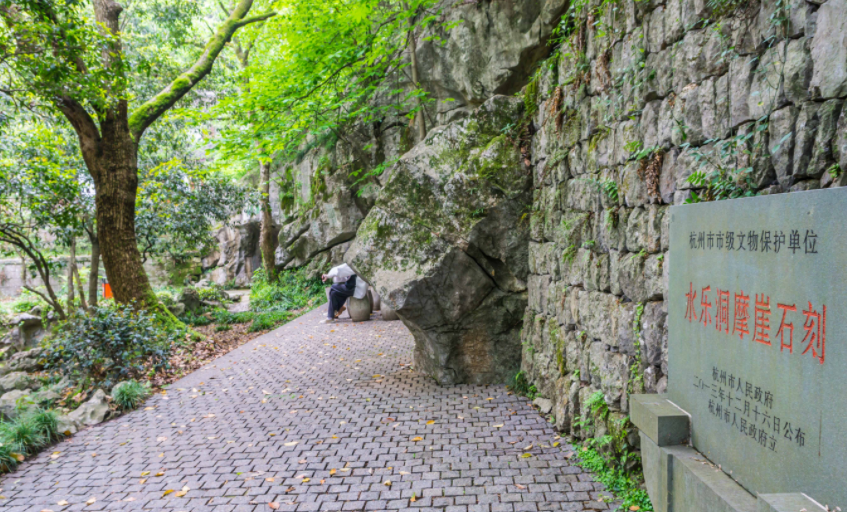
(646, 104)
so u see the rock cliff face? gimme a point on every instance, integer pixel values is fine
(647, 104)
(493, 51)
(653, 104)
(446, 246)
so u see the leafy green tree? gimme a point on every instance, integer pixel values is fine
(178, 207)
(77, 57)
(320, 67)
(41, 194)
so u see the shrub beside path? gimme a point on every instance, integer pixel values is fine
(313, 417)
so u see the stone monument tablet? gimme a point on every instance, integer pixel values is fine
(758, 338)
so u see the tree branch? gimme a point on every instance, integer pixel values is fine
(151, 110)
(85, 127)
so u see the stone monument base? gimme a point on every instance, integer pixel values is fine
(681, 479)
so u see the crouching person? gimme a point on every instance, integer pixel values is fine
(346, 284)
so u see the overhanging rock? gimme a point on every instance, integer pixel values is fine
(446, 246)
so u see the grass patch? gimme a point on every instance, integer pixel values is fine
(625, 487)
(130, 394)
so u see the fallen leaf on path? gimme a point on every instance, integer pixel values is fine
(526, 455)
(387, 482)
(130, 499)
(331, 472)
(160, 473)
(269, 479)
(306, 480)
(180, 494)
(167, 492)
(499, 426)
(417, 439)
(142, 481)
(91, 500)
(290, 489)
(273, 505)
(430, 422)
(303, 461)
(63, 503)
(145, 473)
(292, 443)
(521, 487)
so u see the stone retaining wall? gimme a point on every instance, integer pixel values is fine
(649, 102)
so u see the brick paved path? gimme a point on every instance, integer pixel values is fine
(314, 417)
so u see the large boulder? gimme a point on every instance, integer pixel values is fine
(446, 246)
(9, 403)
(189, 297)
(92, 412)
(28, 361)
(17, 380)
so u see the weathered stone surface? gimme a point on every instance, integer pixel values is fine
(95, 410)
(359, 309)
(27, 361)
(822, 152)
(445, 248)
(766, 90)
(9, 403)
(829, 51)
(189, 297)
(17, 380)
(805, 129)
(545, 406)
(740, 81)
(781, 127)
(699, 351)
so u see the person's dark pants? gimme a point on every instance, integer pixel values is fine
(338, 295)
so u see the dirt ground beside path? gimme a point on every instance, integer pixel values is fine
(312, 417)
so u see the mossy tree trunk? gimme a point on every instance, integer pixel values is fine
(110, 150)
(266, 238)
(94, 269)
(70, 276)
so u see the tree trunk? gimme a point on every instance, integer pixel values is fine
(24, 271)
(94, 271)
(116, 184)
(79, 287)
(70, 276)
(266, 238)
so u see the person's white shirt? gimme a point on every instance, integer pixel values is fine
(342, 273)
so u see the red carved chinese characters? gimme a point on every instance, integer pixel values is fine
(742, 314)
(814, 341)
(782, 325)
(705, 316)
(815, 326)
(762, 319)
(690, 314)
(722, 311)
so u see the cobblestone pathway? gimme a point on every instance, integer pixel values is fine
(312, 417)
